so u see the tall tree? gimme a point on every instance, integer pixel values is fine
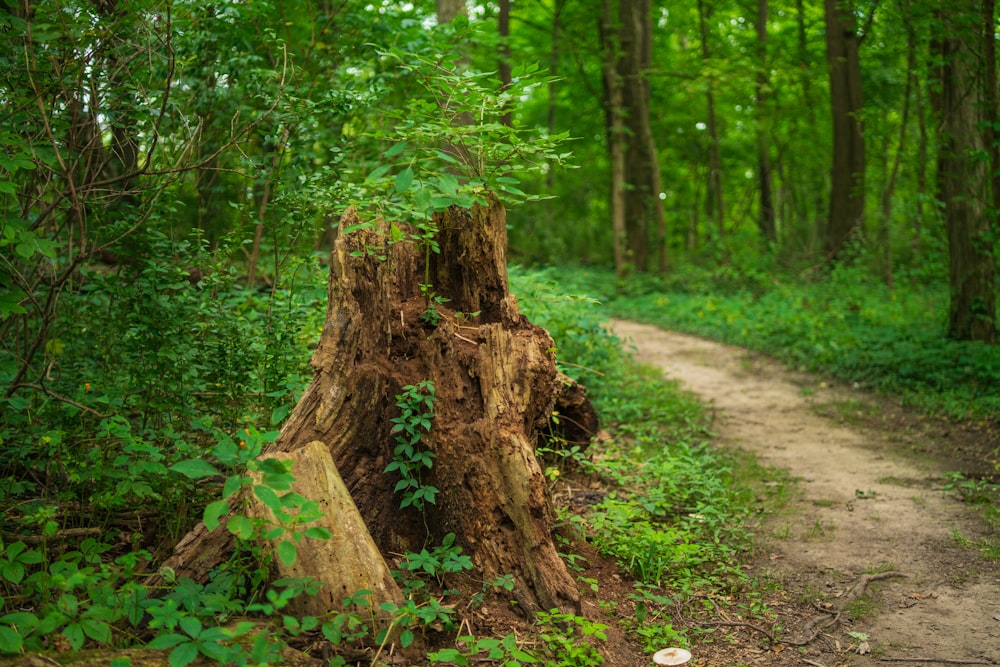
(614, 129)
(714, 198)
(847, 193)
(963, 181)
(643, 206)
(766, 217)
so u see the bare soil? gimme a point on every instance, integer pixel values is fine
(865, 554)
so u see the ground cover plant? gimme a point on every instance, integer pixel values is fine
(848, 325)
(667, 510)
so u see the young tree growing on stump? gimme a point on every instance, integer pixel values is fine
(418, 299)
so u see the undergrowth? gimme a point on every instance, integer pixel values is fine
(184, 386)
(845, 324)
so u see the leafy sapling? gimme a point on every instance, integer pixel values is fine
(414, 423)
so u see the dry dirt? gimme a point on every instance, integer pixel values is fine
(867, 544)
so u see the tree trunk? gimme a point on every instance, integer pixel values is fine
(615, 135)
(766, 218)
(714, 204)
(504, 66)
(847, 194)
(962, 177)
(496, 385)
(643, 207)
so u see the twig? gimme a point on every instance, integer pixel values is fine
(869, 578)
(814, 626)
(458, 335)
(52, 394)
(813, 662)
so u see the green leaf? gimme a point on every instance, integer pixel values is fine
(318, 533)
(396, 150)
(99, 631)
(12, 572)
(10, 641)
(406, 638)
(232, 485)
(194, 468)
(74, 635)
(287, 552)
(121, 662)
(191, 625)
(268, 496)
(240, 526)
(183, 655)
(280, 413)
(379, 172)
(212, 513)
(404, 180)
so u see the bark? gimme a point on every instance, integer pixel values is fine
(847, 194)
(991, 105)
(347, 562)
(615, 133)
(766, 218)
(963, 181)
(504, 67)
(714, 204)
(497, 387)
(643, 207)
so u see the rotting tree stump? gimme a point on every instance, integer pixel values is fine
(497, 386)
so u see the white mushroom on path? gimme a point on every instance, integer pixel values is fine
(672, 656)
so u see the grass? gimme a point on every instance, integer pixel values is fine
(846, 325)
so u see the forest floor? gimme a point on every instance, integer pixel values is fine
(871, 554)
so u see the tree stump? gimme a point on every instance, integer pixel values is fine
(496, 383)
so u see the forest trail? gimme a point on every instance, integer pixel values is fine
(870, 531)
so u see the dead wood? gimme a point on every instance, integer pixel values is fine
(497, 386)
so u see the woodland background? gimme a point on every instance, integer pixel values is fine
(817, 180)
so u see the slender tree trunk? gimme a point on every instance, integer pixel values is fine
(614, 127)
(923, 160)
(991, 106)
(885, 223)
(847, 194)
(714, 204)
(766, 217)
(554, 71)
(963, 179)
(263, 197)
(504, 67)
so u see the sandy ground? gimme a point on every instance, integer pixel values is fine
(863, 509)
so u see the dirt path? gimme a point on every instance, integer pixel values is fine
(863, 510)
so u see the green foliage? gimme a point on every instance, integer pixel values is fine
(584, 348)
(412, 427)
(846, 325)
(470, 650)
(569, 639)
(441, 560)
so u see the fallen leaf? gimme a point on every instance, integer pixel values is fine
(864, 648)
